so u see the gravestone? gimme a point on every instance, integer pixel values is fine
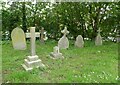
(79, 41)
(32, 61)
(18, 39)
(42, 35)
(56, 54)
(63, 43)
(98, 39)
(118, 37)
(45, 34)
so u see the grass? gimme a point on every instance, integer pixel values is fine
(91, 64)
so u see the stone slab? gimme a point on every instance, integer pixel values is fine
(18, 39)
(33, 63)
(32, 58)
(56, 56)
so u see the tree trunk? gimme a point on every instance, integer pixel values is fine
(24, 27)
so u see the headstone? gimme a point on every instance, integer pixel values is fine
(79, 41)
(118, 37)
(18, 39)
(63, 43)
(98, 39)
(32, 61)
(42, 35)
(45, 38)
(56, 54)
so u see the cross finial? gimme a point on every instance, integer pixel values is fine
(99, 31)
(65, 31)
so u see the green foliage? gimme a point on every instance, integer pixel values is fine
(79, 17)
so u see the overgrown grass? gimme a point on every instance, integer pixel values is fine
(90, 64)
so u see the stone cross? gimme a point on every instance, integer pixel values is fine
(32, 35)
(28, 35)
(98, 39)
(32, 61)
(56, 54)
(56, 49)
(63, 43)
(99, 31)
(65, 31)
(32, 31)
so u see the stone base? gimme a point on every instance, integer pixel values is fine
(56, 56)
(32, 62)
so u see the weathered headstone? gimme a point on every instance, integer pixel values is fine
(18, 39)
(63, 43)
(32, 61)
(118, 37)
(98, 39)
(42, 35)
(56, 54)
(79, 41)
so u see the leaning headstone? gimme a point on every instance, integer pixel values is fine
(56, 54)
(79, 41)
(98, 39)
(32, 61)
(63, 43)
(18, 39)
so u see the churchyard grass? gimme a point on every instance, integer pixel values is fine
(91, 64)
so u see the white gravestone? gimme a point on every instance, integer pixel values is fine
(18, 39)
(79, 41)
(98, 39)
(63, 43)
(32, 61)
(56, 54)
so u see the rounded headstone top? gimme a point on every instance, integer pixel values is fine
(18, 39)
(79, 35)
(16, 30)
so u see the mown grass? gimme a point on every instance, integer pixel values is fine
(91, 64)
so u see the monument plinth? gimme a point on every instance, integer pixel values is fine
(32, 61)
(56, 54)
